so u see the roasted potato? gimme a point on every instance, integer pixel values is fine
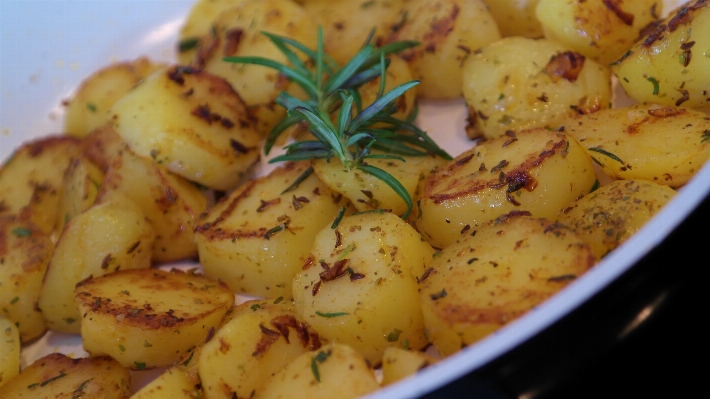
(79, 189)
(495, 273)
(149, 318)
(669, 64)
(666, 145)
(359, 287)
(519, 83)
(9, 350)
(192, 123)
(399, 363)
(538, 171)
(59, 376)
(25, 252)
(515, 17)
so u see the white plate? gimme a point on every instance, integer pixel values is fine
(47, 47)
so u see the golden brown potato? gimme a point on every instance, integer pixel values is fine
(169, 202)
(259, 339)
(538, 171)
(321, 373)
(399, 363)
(102, 145)
(87, 109)
(607, 217)
(494, 274)
(666, 145)
(449, 32)
(110, 236)
(259, 237)
(149, 318)
(192, 123)
(515, 17)
(9, 350)
(79, 188)
(600, 30)
(59, 376)
(669, 64)
(25, 252)
(237, 31)
(519, 83)
(360, 286)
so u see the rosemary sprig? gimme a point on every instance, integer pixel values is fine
(333, 111)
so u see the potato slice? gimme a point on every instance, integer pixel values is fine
(179, 381)
(319, 374)
(237, 31)
(538, 171)
(360, 287)
(110, 236)
(58, 376)
(666, 145)
(610, 215)
(30, 178)
(25, 252)
(669, 64)
(519, 83)
(399, 363)
(9, 351)
(260, 338)
(191, 122)
(87, 109)
(169, 202)
(258, 238)
(80, 187)
(449, 32)
(600, 30)
(484, 281)
(149, 318)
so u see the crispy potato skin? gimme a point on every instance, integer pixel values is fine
(149, 318)
(483, 281)
(59, 376)
(537, 171)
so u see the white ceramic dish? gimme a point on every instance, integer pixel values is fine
(47, 47)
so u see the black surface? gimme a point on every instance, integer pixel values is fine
(594, 352)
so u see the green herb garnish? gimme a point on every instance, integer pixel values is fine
(21, 232)
(606, 153)
(318, 358)
(654, 82)
(334, 314)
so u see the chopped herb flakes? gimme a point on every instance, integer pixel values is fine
(318, 358)
(21, 232)
(656, 86)
(393, 336)
(333, 314)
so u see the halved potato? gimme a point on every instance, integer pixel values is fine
(360, 286)
(149, 318)
(399, 363)
(538, 171)
(25, 252)
(666, 145)
(494, 274)
(110, 236)
(59, 376)
(191, 122)
(9, 351)
(79, 188)
(515, 17)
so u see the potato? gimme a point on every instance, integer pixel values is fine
(30, 178)
(79, 188)
(110, 236)
(319, 374)
(484, 281)
(179, 381)
(366, 192)
(59, 376)
(537, 171)
(347, 24)
(149, 318)
(449, 31)
(669, 64)
(259, 237)
(9, 351)
(237, 31)
(254, 344)
(399, 363)
(666, 145)
(600, 30)
(25, 252)
(515, 17)
(198, 23)
(519, 83)
(102, 145)
(360, 287)
(169, 202)
(87, 109)
(191, 122)
(607, 217)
